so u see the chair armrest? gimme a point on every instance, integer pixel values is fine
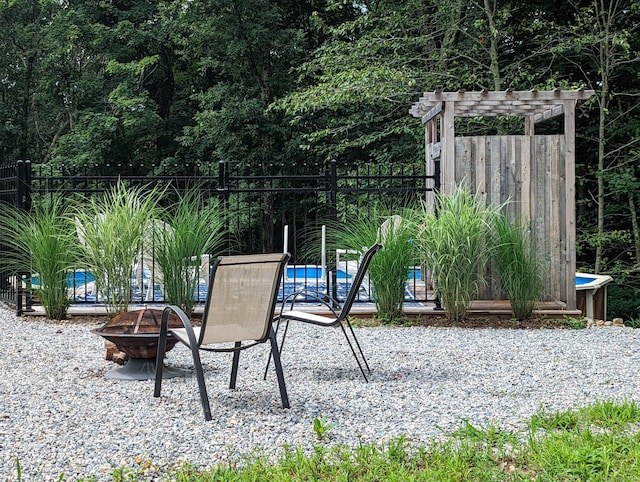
(184, 319)
(317, 296)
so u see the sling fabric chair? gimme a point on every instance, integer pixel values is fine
(239, 308)
(340, 312)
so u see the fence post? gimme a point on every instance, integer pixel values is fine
(332, 200)
(332, 193)
(23, 300)
(221, 176)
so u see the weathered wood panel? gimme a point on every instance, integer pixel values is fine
(527, 177)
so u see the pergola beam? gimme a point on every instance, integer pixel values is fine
(533, 104)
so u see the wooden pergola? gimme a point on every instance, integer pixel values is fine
(532, 176)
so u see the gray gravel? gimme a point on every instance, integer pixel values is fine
(60, 415)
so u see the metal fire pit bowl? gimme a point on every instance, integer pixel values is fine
(136, 333)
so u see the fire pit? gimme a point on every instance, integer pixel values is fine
(136, 333)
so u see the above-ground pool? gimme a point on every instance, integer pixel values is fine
(74, 280)
(297, 278)
(311, 272)
(591, 294)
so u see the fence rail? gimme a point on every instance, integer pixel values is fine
(262, 207)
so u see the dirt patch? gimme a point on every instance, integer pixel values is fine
(92, 320)
(498, 322)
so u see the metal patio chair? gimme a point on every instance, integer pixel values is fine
(238, 314)
(340, 313)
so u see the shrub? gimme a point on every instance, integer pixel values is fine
(453, 241)
(390, 266)
(519, 264)
(42, 242)
(191, 228)
(111, 228)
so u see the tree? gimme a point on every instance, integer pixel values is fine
(239, 57)
(602, 43)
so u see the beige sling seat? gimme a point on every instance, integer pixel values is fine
(238, 314)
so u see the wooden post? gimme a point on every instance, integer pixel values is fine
(570, 194)
(448, 148)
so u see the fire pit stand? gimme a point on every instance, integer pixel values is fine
(136, 333)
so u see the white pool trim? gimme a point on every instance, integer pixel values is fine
(599, 281)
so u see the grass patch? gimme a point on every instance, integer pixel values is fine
(597, 442)
(577, 323)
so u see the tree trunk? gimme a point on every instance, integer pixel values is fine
(494, 67)
(634, 227)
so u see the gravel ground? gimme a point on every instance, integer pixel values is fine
(59, 414)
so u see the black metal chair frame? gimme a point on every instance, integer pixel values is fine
(195, 345)
(340, 312)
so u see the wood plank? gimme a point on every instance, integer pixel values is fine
(435, 111)
(515, 95)
(525, 181)
(529, 125)
(481, 169)
(429, 171)
(463, 164)
(448, 149)
(555, 227)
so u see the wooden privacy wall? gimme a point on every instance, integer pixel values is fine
(526, 176)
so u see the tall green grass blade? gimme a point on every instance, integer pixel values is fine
(519, 264)
(42, 242)
(453, 241)
(191, 228)
(112, 228)
(389, 268)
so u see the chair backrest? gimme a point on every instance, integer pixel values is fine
(242, 298)
(358, 278)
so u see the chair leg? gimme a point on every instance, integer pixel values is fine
(195, 353)
(278, 365)
(204, 398)
(355, 355)
(234, 365)
(355, 339)
(162, 347)
(284, 335)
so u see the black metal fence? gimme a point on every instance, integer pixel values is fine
(269, 212)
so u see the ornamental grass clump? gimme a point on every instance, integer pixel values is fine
(390, 266)
(191, 229)
(111, 228)
(519, 264)
(454, 243)
(43, 243)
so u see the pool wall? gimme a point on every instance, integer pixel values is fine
(591, 295)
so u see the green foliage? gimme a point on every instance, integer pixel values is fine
(576, 323)
(190, 229)
(454, 243)
(111, 228)
(42, 242)
(623, 301)
(596, 442)
(322, 427)
(519, 264)
(390, 266)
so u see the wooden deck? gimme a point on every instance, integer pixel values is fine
(478, 308)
